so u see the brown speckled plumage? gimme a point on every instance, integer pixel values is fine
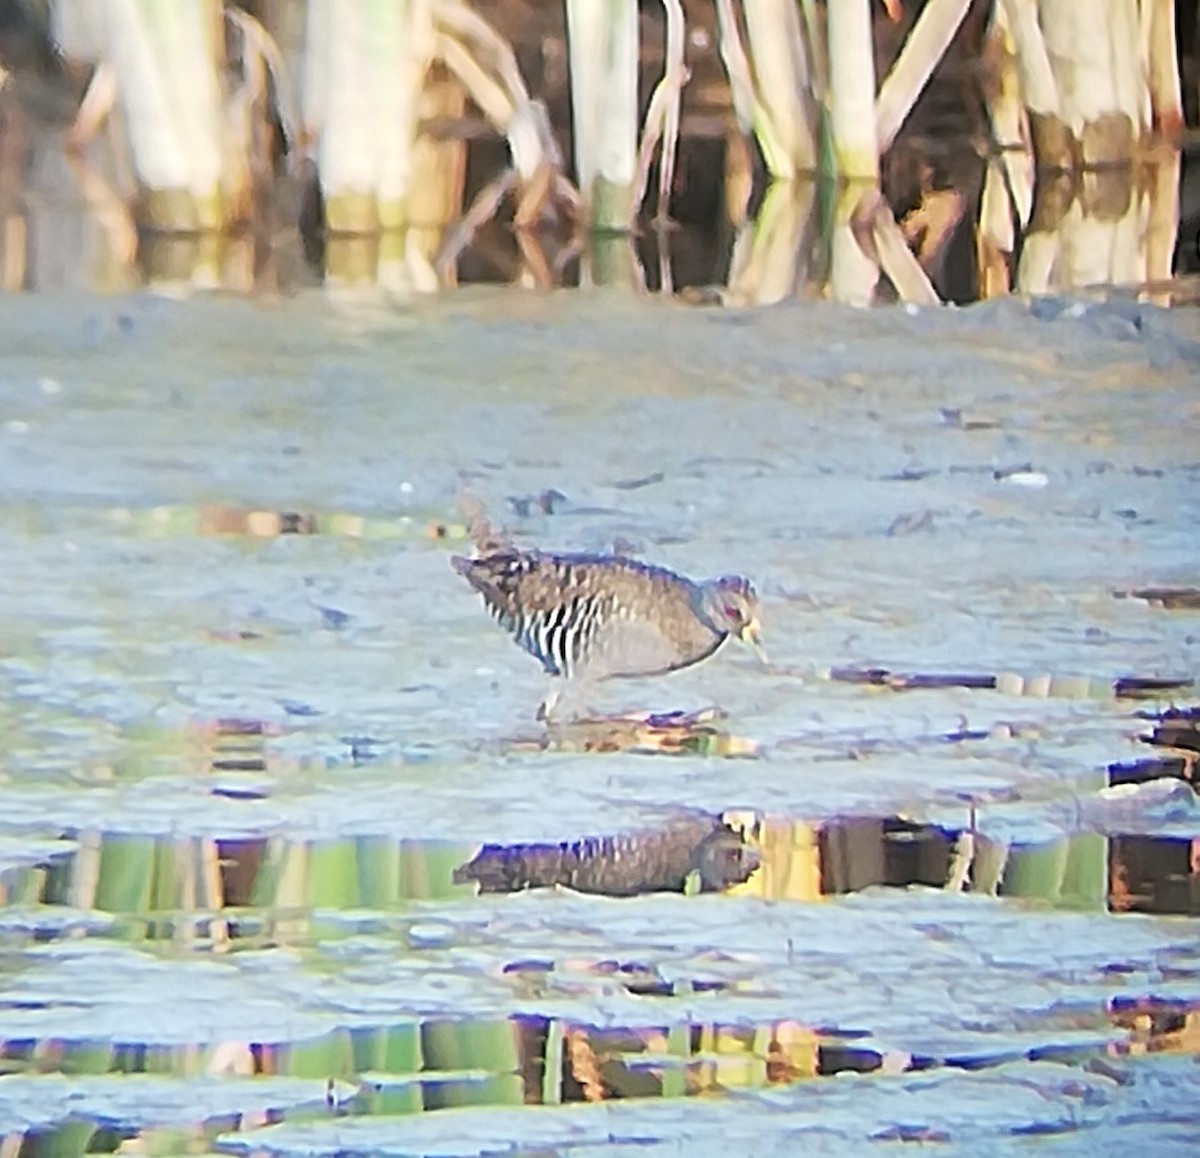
(604, 616)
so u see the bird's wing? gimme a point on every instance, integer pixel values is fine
(606, 616)
(646, 623)
(633, 646)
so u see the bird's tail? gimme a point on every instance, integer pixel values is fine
(487, 540)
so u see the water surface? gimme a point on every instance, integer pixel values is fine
(254, 726)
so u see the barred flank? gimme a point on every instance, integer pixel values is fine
(569, 611)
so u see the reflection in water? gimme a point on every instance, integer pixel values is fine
(960, 215)
(1149, 874)
(696, 848)
(436, 1063)
(583, 1016)
(662, 733)
(1121, 855)
(351, 899)
(1118, 227)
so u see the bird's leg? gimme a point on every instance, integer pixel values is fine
(578, 691)
(547, 706)
(561, 707)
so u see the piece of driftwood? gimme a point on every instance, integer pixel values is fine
(1172, 598)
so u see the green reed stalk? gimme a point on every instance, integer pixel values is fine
(602, 40)
(165, 59)
(852, 90)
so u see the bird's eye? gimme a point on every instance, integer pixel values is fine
(732, 612)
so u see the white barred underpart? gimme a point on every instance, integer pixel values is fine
(562, 637)
(592, 616)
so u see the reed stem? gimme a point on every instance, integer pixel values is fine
(852, 90)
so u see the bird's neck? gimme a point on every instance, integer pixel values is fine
(704, 611)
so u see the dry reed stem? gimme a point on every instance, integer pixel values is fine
(1162, 222)
(960, 864)
(666, 95)
(675, 68)
(737, 66)
(111, 211)
(897, 261)
(533, 198)
(493, 49)
(487, 67)
(492, 97)
(1008, 122)
(538, 268)
(1161, 67)
(99, 100)
(585, 1066)
(783, 83)
(774, 96)
(927, 42)
(995, 236)
(766, 266)
(267, 65)
(1038, 81)
(852, 90)
(818, 48)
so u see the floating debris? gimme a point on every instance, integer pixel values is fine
(1172, 598)
(954, 417)
(669, 733)
(1012, 684)
(633, 484)
(1024, 476)
(910, 524)
(546, 502)
(900, 681)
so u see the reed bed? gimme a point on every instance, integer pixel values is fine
(208, 108)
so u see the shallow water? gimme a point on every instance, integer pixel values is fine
(241, 766)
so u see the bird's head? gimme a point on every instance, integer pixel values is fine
(731, 606)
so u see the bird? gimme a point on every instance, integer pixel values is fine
(590, 617)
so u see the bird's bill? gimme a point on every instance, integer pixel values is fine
(751, 636)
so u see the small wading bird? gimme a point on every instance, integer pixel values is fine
(597, 617)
